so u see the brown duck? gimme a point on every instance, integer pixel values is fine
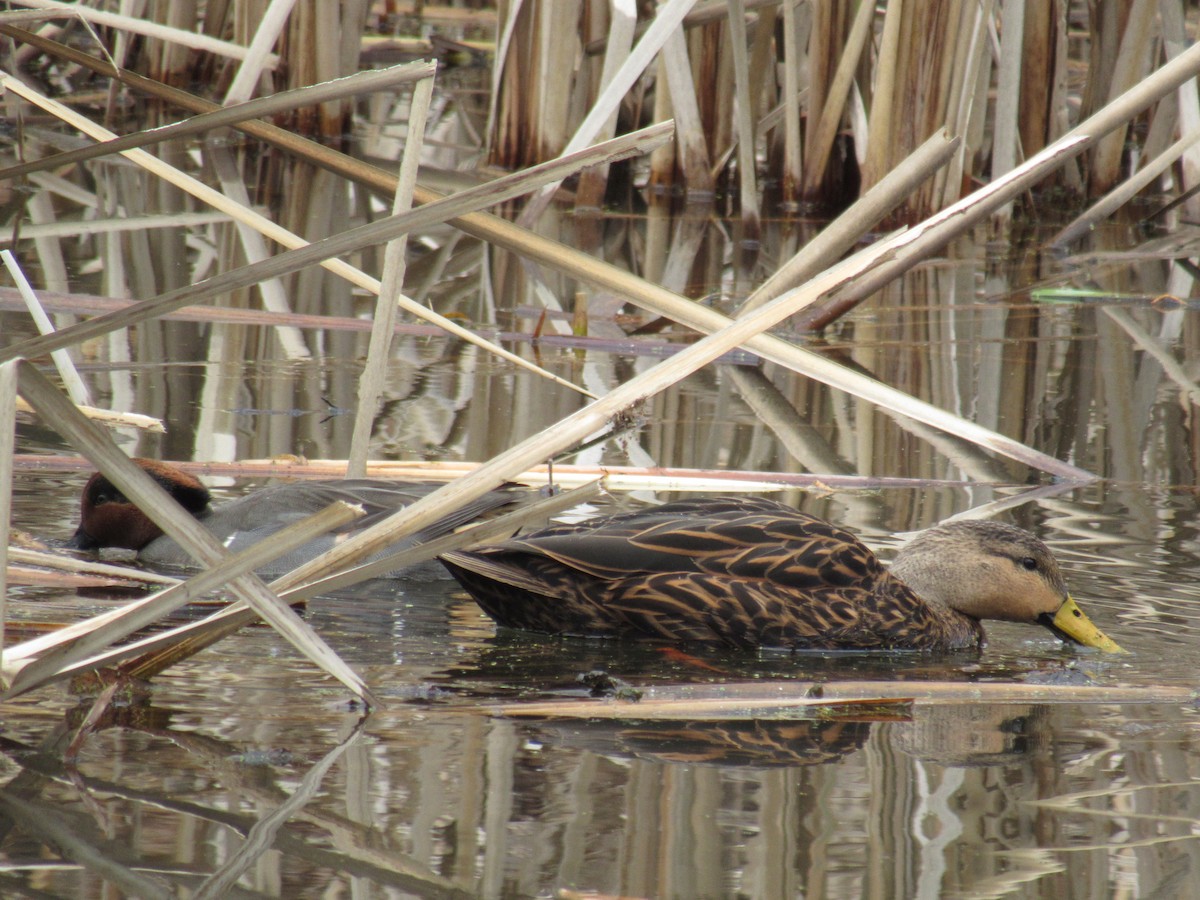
(751, 572)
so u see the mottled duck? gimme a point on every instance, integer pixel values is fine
(750, 572)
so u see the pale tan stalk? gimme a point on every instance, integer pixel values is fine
(110, 418)
(746, 144)
(138, 25)
(622, 24)
(284, 101)
(1132, 60)
(74, 385)
(691, 145)
(751, 700)
(258, 54)
(821, 142)
(881, 136)
(793, 160)
(8, 433)
(1175, 41)
(848, 228)
(657, 478)
(70, 565)
(1127, 190)
(76, 227)
(254, 247)
(551, 84)
(379, 351)
(666, 21)
(498, 131)
(1006, 134)
(968, 96)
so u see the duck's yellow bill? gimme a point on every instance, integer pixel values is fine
(1070, 622)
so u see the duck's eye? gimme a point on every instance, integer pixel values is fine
(108, 494)
(1029, 563)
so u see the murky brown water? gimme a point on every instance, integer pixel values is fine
(246, 768)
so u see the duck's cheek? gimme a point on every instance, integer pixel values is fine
(121, 525)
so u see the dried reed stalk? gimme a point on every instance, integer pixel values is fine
(967, 98)
(691, 146)
(139, 25)
(1175, 41)
(258, 54)
(110, 418)
(622, 23)
(74, 385)
(8, 434)
(625, 478)
(793, 163)
(1126, 191)
(1044, 22)
(379, 351)
(223, 117)
(1005, 121)
(882, 137)
(665, 22)
(1130, 67)
(745, 103)
(731, 701)
(60, 563)
(832, 104)
(254, 247)
(76, 227)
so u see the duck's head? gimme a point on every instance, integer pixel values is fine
(989, 570)
(107, 518)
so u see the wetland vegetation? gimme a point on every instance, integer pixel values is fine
(945, 256)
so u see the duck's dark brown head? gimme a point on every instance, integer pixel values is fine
(107, 518)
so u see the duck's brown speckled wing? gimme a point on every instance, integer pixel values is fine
(746, 572)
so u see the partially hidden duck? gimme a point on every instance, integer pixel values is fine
(109, 519)
(754, 573)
